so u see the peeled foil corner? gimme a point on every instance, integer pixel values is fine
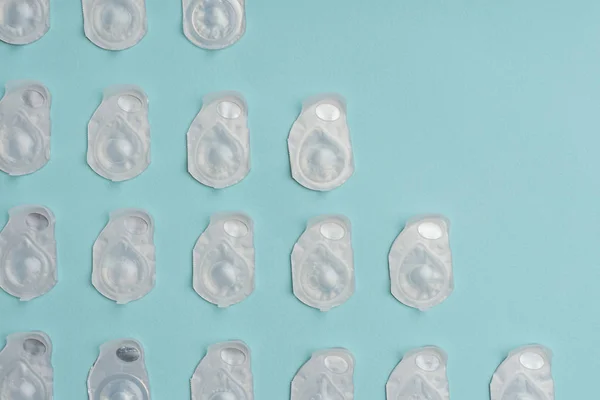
(218, 141)
(119, 134)
(421, 374)
(24, 127)
(525, 374)
(224, 260)
(224, 373)
(26, 370)
(115, 24)
(28, 252)
(323, 263)
(119, 372)
(23, 21)
(214, 24)
(420, 262)
(321, 156)
(329, 374)
(124, 267)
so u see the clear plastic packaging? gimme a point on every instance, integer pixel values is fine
(319, 144)
(28, 252)
(26, 371)
(124, 262)
(119, 134)
(420, 375)
(218, 141)
(525, 374)
(119, 372)
(323, 263)
(24, 127)
(214, 24)
(115, 24)
(224, 260)
(421, 263)
(329, 374)
(24, 21)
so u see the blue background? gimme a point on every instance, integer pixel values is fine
(485, 111)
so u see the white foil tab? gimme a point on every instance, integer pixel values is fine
(28, 252)
(214, 24)
(124, 263)
(224, 260)
(218, 141)
(525, 374)
(420, 375)
(23, 21)
(224, 373)
(119, 372)
(421, 263)
(323, 263)
(119, 134)
(329, 374)
(26, 371)
(24, 127)
(114, 24)
(319, 144)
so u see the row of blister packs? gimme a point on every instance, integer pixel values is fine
(225, 373)
(218, 140)
(322, 260)
(121, 24)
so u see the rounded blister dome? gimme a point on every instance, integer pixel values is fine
(225, 275)
(122, 387)
(116, 24)
(214, 24)
(422, 277)
(23, 21)
(322, 160)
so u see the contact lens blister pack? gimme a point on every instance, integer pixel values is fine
(28, 252)
(24, 127)
(119, 372)
(26, 371)
(420, 263)
(224, 260)
(224, 373)
(124, 256)
(114, 24)
(218, 141)
(323, 263)
(214, 24)
(119, 134)
(24, 21)
(329, 374)
(321, 156)
(525, 374)
(420, 375)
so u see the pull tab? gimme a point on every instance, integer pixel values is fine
(321, 155)
(329, 374)
(224, 260)
(225, 372)
(124, 267)
(24, 127)
(119, 372)
(218, 141)
(119, 134)
(214, 24)
(323, 263)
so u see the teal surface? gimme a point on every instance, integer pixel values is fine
(484, 111)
